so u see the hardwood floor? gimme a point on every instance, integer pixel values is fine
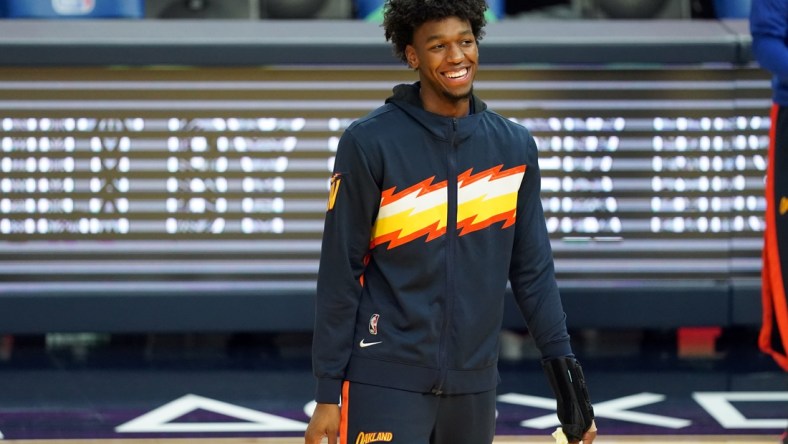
(684, 439)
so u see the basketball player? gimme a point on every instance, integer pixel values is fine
(769, 28)
(434, 206)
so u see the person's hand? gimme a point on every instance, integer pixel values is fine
(324, 422)
(590, 435)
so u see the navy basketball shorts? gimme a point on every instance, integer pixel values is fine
(373, 414)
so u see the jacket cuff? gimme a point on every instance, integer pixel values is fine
(328, 391)
(556, 350)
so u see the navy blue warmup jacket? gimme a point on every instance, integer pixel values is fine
(429, 217)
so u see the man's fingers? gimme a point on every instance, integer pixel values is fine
(313, 436)
(310, 438)
(589, 436)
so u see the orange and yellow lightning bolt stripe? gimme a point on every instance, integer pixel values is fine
(410, 214)
(422, 210)
(487, 197)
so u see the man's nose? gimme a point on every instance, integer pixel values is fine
(455, 54)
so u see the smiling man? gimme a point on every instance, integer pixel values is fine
(434, 206)
(445, 54)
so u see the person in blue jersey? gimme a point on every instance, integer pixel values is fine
(434, 206)
(769, 29)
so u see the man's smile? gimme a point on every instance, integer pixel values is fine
(459, 74)
(456, 75)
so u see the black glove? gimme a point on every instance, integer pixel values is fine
(569, 386)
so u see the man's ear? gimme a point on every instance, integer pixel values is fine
(410, 55)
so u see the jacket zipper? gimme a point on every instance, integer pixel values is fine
(451, 232)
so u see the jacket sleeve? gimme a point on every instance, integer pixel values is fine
(531, 272)
(769, 29)
(345, 244)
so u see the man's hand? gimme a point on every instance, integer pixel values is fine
(324, 422)
(590, 435)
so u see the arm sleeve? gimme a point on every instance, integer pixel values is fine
(769, 29)
(532, 274)
(346, 238)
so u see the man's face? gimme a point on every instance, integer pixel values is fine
(446, 56)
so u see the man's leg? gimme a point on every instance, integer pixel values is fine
(373, 414)
(466, 419)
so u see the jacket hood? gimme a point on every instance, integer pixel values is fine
(407, 98)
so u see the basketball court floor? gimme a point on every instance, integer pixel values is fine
(753, 439)
(257, 389)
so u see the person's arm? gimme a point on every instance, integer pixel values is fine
(769, 29)
(532, 277)
(346, 239)
(353, 205)
(531, 273)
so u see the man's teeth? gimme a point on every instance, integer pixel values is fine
(457, 74)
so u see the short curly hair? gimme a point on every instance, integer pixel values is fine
(402, 17)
